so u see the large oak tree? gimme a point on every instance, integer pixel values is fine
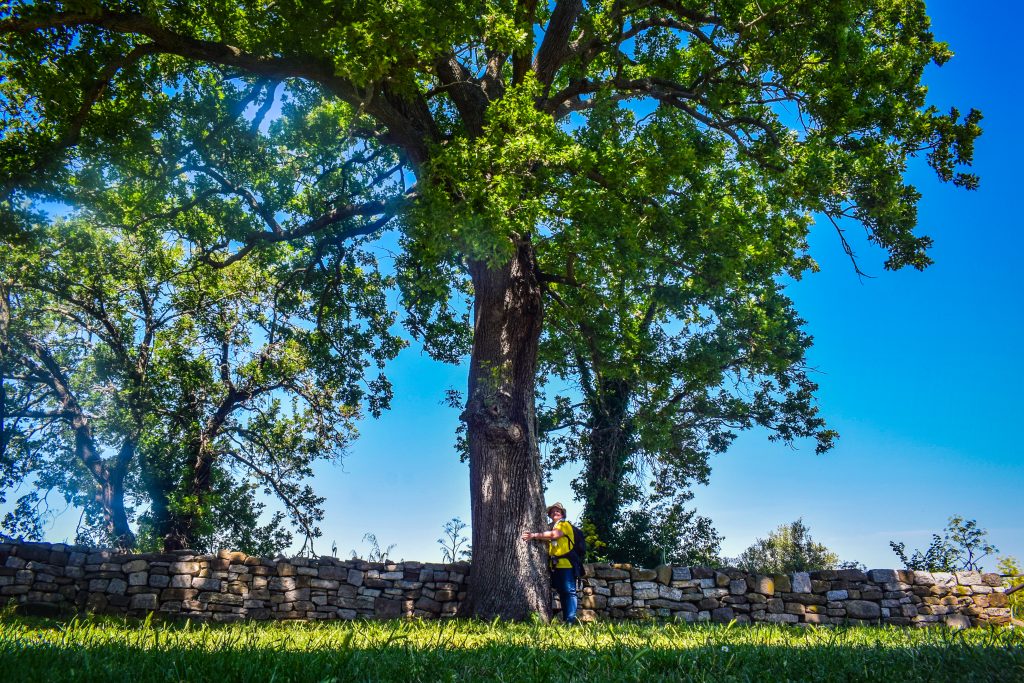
(491, 107)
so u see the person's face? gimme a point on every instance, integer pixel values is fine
(555, 514)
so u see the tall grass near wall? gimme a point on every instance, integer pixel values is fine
(97, 649)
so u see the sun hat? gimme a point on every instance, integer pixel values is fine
(558, 506)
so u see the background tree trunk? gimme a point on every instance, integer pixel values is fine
(109, 477)
(509, 576)
(607, 461)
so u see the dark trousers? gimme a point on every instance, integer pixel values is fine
(564, 582)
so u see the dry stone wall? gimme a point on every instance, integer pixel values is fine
(230, 586)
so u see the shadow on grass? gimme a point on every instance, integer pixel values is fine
(95, 652)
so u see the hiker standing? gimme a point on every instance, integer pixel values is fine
(561, 540)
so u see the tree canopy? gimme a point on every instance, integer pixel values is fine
(789, 548)
(523, 150)
(131, 371)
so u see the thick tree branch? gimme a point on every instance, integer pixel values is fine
(73, 130)
(555, 48)
(469, 98)
(408, 121)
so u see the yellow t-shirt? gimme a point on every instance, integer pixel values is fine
(561, 545)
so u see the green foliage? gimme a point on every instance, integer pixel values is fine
(665, 534)
(1013, 574)
(199, 385)
(461, 650)
(961, 547)
(454, 546)
(375, 553)
(597, 548)
(789, 548)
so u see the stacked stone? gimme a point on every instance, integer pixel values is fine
(231, 586)
(847, 596)
(48, 575)
(225, 587)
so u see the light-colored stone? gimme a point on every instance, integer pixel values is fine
(669, 593)
(923, 579)
(648, 592)
(968, 578)
(681, 574)
(957, 621)
(135, 566)
(801, 582)
(181, 581)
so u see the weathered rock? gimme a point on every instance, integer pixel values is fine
(863, 609)
(722, 615)
(762, 584)
(968, 578)
(144, 601)
(883, 575)
(681, 574)
(957, 621)
(663, 574)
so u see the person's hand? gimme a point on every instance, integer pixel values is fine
(527, 535)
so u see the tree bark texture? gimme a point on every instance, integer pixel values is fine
(509, 576)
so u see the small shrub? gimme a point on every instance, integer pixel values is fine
(962, 547)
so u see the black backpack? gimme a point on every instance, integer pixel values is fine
(577, 552)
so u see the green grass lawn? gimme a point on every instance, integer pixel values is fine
(106, 649)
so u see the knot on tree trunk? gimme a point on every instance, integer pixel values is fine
(491, 416)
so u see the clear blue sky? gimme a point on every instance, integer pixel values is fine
(919, 372)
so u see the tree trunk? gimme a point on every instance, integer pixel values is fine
(159, 485)
(509, 576)
(109, 483)
(113, 501)
(607, 460)
(186, 523)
